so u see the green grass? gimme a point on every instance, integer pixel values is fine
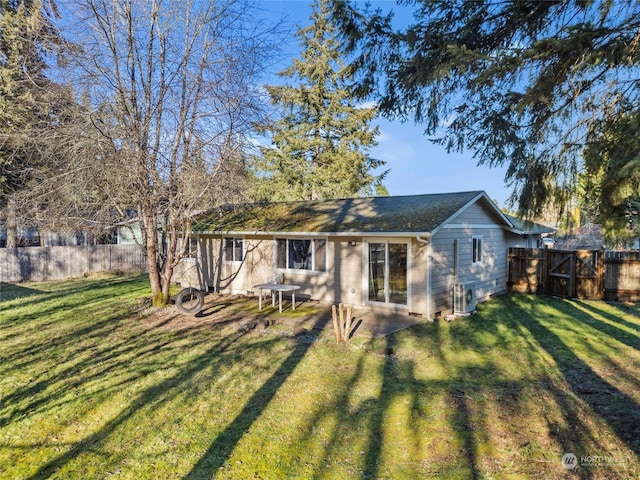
(95, 385)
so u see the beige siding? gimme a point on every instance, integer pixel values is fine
(418, 277)
(346, 273)
(342, 282)
(236, 277)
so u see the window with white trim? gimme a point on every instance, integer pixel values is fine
(477, 249)
(301, 254)
(233, 251)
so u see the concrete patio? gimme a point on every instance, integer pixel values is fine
(365, 322)
(310, 315)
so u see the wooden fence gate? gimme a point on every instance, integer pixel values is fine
(575, 274)
(565, 273)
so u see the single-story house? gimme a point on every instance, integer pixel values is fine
(422, 254)
(532, 233)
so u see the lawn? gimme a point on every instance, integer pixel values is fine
(95, 384)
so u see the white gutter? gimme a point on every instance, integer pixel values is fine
(427, 241)
(308, 234)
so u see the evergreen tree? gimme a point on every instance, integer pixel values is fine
(320, 143)
(524, 83)
(30, 103)
(610, 185)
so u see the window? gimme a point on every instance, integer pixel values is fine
(455, 260)
(477, 249)
(388, 273)
(233, 250)
(191, 249)
(300, 254)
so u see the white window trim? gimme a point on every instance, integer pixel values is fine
(474, 242)
(225, 260)
(303, 271)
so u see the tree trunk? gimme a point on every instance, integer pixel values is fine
(159, 298)
(12, 222)
(166, 282)
(160, 294)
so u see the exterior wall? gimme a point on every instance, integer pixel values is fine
(66, 239)
(418, 277)
(342, 281)
(235, 277)
(531, 240)
(489, 275)
(127, 236)
(345, 280)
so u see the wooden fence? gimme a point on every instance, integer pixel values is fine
(52, 263)
(588, 274)
(622, 277)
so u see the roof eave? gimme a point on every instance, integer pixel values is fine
(310, 234)
(480, 195)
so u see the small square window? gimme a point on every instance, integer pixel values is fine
(191, 249)
(233, 250)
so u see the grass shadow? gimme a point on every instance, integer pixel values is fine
(617, 409)
(376, 432)
(614, 325)
(155, 394)
(224, 443)
(76, 288)
(210, 310)
(10, 291)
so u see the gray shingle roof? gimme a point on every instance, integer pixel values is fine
(529, 227)
(412, 213)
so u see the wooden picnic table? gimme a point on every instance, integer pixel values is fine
(277, 287)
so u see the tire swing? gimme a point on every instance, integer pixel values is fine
(190, 300)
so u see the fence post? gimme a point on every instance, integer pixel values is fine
(341, 325)
(336, 327)
(572, 293)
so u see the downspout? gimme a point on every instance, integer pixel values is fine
(425, 239)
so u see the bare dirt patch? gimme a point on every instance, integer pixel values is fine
(218, 312)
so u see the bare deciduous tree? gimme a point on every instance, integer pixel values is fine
(170, 94)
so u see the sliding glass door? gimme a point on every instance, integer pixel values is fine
(388, 272)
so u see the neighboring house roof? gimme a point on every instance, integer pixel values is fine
(586, 237)
(416, 214)
(526, 226)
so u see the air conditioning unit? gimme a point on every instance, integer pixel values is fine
(464, 298)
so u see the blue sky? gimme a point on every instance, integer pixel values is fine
(417, 166)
